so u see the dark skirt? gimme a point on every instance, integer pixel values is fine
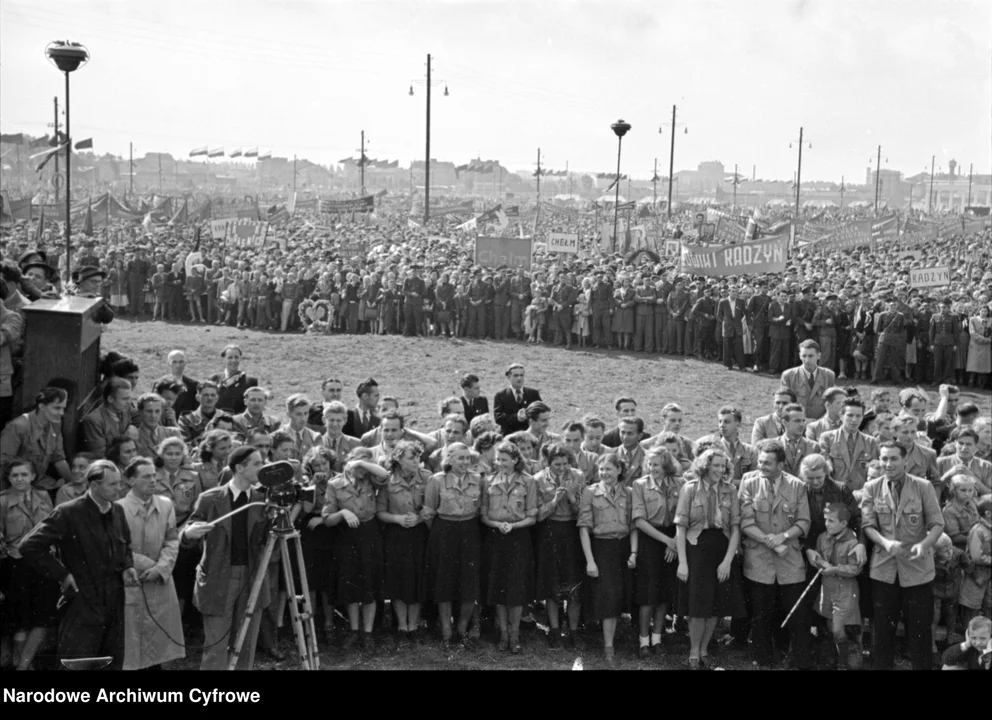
(405, 549)
(509, 567)
(184, 572)
(453, 562)
(655, 581)
(358, 559)
(704, 596)
(318, 558)
(30, 600)
(609, 595)
(560, 562)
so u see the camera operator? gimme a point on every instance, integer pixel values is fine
(231, 551)
(94, 540)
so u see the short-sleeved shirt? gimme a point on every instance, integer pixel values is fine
(774, 511)
(567, 508)
(707, 506)
(509, 498)
(344, 493)
(606, 510)
(19, 514)
(453, 498)
(403, 495)
(656, 502)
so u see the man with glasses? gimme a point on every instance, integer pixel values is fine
(94, 543)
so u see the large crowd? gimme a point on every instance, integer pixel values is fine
(881, 505)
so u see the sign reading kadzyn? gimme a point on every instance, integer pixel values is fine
(563, 242)
(930, 277)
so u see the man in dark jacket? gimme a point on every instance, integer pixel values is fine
(94, 542)
(510, 404)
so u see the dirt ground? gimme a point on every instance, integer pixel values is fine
(422, 371)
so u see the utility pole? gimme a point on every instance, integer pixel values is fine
(933, 162)
(56, 182)
(538, 174)
(361, 165)
(130, 166)
(878, 176)
(671, 166)
(799, 171)
(654, 187)
(971, 168)
(427, 160)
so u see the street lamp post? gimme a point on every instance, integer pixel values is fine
(620, 128)
(67, 57)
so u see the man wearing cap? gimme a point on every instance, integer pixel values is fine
(756, 314)
(944, 331)
(890, 327)
(601, 301)
(519, 299)
(414, 290)
(563, 299)
(232, 549)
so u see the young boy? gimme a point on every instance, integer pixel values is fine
(976, 590)
(71, 491)
(974, 653)
(834, 555)
(948, 562)
(960, 513)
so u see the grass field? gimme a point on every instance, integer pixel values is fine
(422, 371)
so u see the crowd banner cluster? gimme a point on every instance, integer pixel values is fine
(848, 236)
(563, 242)
(764, 256)
(930, 277)
(240, 232)
(365, 204)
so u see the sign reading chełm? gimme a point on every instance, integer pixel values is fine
(930, 277)
(563, 242)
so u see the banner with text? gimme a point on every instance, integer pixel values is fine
(767, 256)
(728, 232)
(930, 277)
(364, 204)
(493, 252)
(852, 235)
(563, 242)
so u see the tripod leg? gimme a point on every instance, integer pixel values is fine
(294, 612)
(252, 601)
(307, 607)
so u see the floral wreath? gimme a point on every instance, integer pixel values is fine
(315, 315)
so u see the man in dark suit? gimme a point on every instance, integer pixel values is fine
(94, 543)
(890, 327)
(510, 404)
(757, 315)
(232, 550)
(363, 417)
(730, 315)
(186, 399)
(414, 290)
(780, 315)
(473, 403)
(626, 408)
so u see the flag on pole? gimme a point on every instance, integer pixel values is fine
(467, 225)
(612, 184)
(253, 152)
(236, 152)
(147, 222)
(412, 225)
(198, 151)
(86, 144)
(502, 219)
(216, 152)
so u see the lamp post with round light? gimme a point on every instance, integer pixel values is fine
(67, 57)
(620, 128)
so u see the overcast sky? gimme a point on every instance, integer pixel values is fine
(308, 77)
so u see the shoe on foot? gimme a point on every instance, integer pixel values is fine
(554, 637)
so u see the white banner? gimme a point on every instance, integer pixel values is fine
(563, 242)
(218, 228)
(930, 277)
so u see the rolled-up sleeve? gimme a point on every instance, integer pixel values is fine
(931, 507)
(585, 510)
(682, 508)
(745, 506)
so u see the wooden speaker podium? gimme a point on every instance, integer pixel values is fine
(62, 349)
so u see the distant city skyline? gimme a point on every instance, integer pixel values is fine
(306, 78)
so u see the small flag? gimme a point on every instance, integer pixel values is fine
(46, 155)
(86, 144)
(468, 225)
(502, 219)
(216, 152)
(612, 185)
(41, 142)
(198, 151)
(412, 225)
(147, 222)
(196, 239)
(253, 152)
(236, 152)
